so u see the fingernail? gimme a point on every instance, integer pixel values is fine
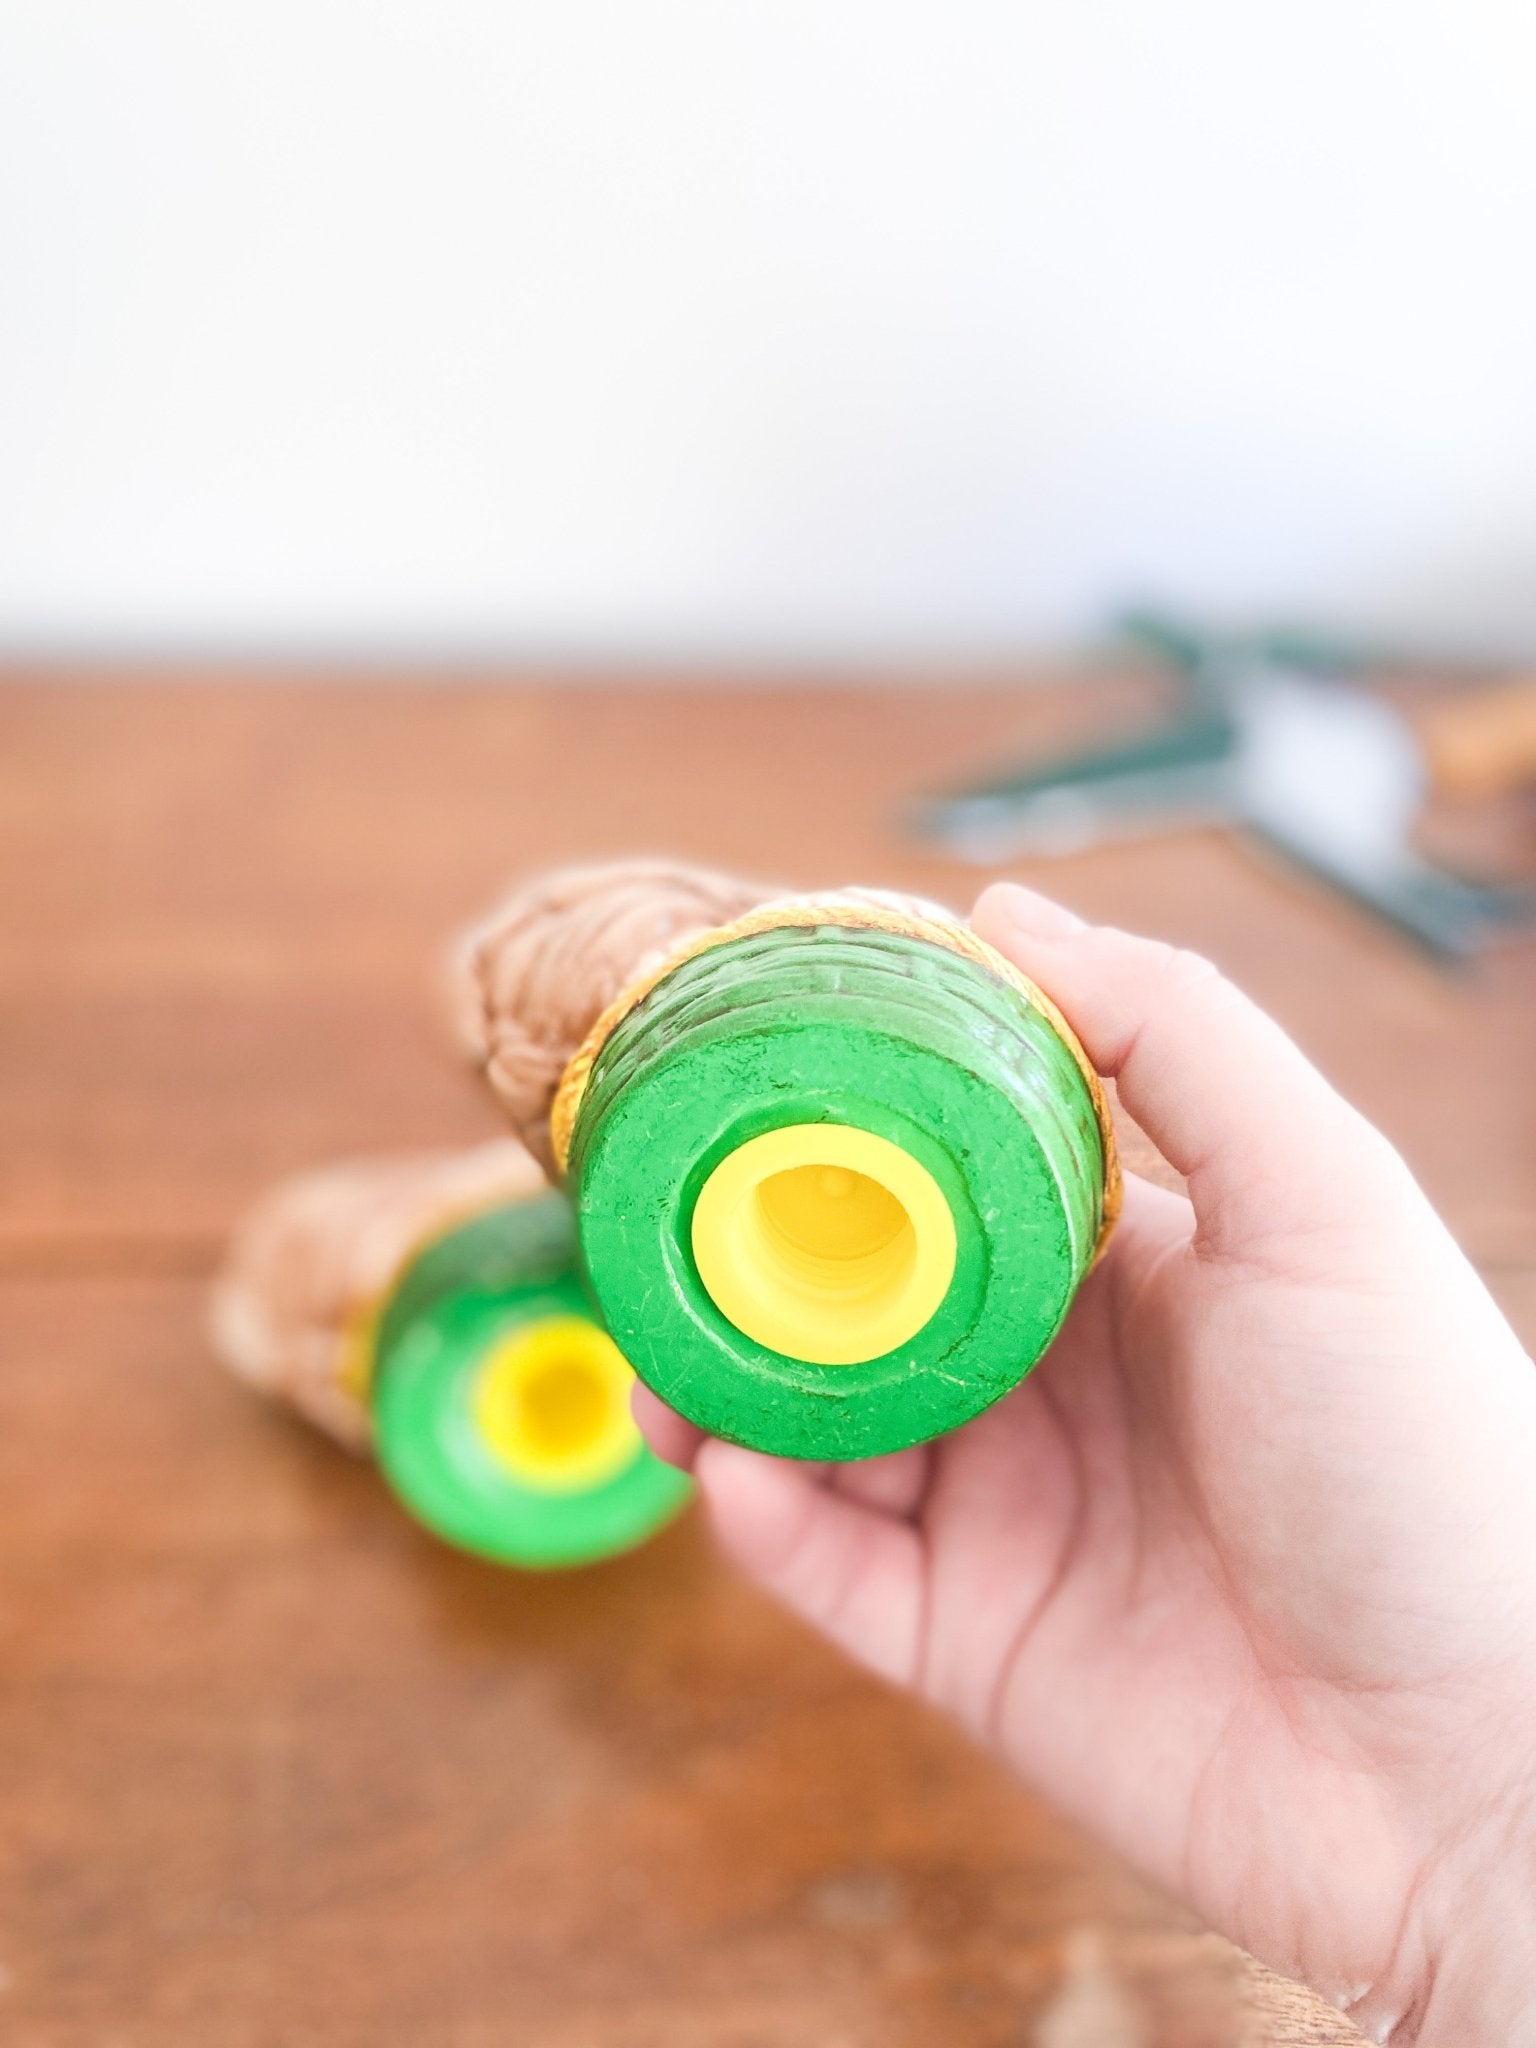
(746, 1485)
(669, 1436)
(1031, 913)
(732, 1465)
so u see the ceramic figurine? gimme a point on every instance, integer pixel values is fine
(430, 1309)
(837, 1167)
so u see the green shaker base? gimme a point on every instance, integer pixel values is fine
(462, 1298)
(894, 1036)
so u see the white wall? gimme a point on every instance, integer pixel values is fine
(769, 325)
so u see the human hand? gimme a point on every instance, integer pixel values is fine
(1243, 1577)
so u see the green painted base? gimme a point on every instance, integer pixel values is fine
(895, 1036)
(458, 1301)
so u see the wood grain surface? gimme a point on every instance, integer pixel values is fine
(277, 1769)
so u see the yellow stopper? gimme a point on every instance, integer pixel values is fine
(552, 1404)
(824, 1242)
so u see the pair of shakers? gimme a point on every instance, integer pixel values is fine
(825, 1171)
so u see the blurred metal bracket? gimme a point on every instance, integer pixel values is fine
(1269, 734)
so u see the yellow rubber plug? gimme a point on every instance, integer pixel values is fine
(552, 1404)
(824, 1242)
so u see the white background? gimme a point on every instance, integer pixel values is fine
(883, 328)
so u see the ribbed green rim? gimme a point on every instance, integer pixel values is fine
(461, 1296)
(889, 1033)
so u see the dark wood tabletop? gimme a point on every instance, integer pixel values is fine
(277, 1768)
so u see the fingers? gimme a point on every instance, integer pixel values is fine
(895, 1483)
(848, 1569)
(1266, 1145)
(675, 1440)
(832, 1542)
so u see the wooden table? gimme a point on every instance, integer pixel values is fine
(279, 1770)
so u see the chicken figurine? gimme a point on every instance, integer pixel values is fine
(429, 1310)
(837, 1168)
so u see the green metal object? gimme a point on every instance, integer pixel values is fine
(501, 1275)
(856, 1028)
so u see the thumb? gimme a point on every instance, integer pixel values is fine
(1268, 1148)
